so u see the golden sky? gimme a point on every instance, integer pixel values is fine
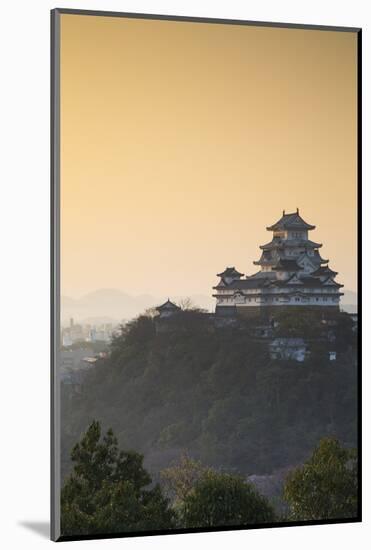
(181, 142)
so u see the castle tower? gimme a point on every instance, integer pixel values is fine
(292, 273)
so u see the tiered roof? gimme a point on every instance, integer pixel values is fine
(168, 306)
(319, 258)
(292, 256)
(324, 270)
(250, 282)
(271, 257)
(291, 221)
(230, 272)
(277, 242)
(286, 265)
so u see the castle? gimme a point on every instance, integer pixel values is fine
(292, 273)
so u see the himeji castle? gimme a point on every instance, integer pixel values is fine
(292, 273)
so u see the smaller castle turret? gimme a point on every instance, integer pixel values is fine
(168, 309)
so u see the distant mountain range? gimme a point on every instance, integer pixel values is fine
(113, 306)
(349, 301)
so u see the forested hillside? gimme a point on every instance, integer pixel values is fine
(216, 394)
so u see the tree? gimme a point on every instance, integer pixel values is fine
(106, 491)
(223, 499)
(293, 323)
(180, 479)
(186, 304)
(325, 487)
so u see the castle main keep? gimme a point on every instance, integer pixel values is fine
(292, 273)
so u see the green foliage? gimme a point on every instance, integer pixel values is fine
(293, 324)
(180, 479)
(224, 500)
(215, 393)
(107, 493)
(315, 327)
(325, 487)
(96, 347)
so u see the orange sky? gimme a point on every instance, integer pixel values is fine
(181, 142)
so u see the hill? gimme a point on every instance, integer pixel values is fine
(218, 395)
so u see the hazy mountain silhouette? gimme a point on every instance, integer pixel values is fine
(112, 305)
(349, 301)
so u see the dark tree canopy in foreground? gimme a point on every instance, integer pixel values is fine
(107, 491)
(219, 499)
(218, 395)
(179, 479)
(326, 486)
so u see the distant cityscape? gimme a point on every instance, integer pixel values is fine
(82, 345)
(79, 332)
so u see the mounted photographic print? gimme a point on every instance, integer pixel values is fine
(205, 281)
